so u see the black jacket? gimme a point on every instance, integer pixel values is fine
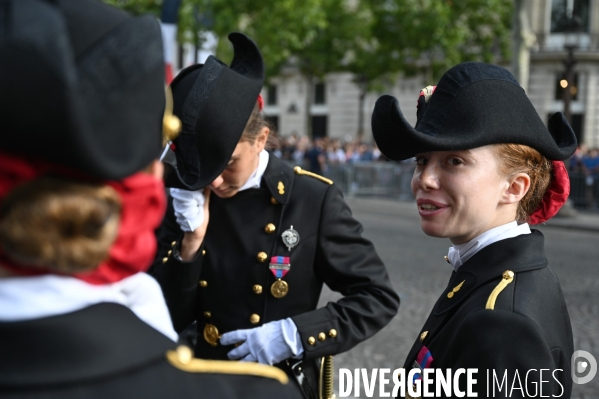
(105, 351)
(528, 327)
(331, 250)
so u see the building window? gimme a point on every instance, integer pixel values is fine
(319, 126)
(319, 93)
(271, 95)
(565, 12)
(562, 84)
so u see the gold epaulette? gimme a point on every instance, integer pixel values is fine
(507, 277)
(299, 171)
(183, 359)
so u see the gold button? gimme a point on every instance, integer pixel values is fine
(184, 353)
(322, 336)
(273, 201)
(270, 228)
(173, 243)
(164, 260)
(508, 274)
(203, 252)
(423, 336)
(207, 314)
(254, 319)
(203, 283)
(257, 288)
(333, 333)
(261, 257)
(170, 251)
(311, 341)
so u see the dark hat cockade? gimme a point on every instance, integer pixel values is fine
(81, 85)
(474, 105)
(214, 103)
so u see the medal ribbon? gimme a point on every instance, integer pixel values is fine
(279, 266)
(424, 360)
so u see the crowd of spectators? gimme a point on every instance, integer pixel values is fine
(323, 154)
(320, 154)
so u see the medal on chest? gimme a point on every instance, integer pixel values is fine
(290, 238)
(279, 266)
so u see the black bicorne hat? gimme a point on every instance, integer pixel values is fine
(81, 85)
(474, 105)
(214, 103)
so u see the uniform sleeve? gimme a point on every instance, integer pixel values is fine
(348, 264)
(506, 344)
(178, 279)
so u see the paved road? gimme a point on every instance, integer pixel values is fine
(419, 273)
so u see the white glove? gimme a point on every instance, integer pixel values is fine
(268, 344)
(189, 209)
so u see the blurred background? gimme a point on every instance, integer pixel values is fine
(329, 60)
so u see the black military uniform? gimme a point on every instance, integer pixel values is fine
(480, 322)
(229, 286)
(105, 351)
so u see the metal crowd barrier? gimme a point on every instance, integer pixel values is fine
(372, 179)
(392, 180)
(584, 190)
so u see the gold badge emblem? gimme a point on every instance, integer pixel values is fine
(455, 289)
(211, 334)
(279, 288)
(281, 188)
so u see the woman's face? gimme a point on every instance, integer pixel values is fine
(461, 194)
(242, 164)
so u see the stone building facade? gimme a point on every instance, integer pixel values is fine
(333, 110)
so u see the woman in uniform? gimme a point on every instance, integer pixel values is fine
(251, 276)
(486, 168)
(80, 197)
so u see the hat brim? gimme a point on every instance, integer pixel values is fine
(398, 140)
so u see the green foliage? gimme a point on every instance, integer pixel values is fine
(138, 6)
(373, 39)
(430, 36)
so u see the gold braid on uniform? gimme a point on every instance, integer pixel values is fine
(299, 171)
(507, 277)
(183, 359)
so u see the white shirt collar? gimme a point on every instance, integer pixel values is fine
(35, 297)
(256, 177)
(460, 253)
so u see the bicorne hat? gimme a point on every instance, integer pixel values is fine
(474, 105)
(214, 103)
(81, 85)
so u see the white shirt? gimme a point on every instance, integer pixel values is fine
(256, 177)
(34, 297)
(460, 253)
